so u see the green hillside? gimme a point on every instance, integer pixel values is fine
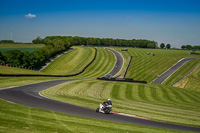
(72, 62)
(147, 67)
(103, 64)
(190, 82)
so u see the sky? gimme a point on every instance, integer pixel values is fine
(165, 21)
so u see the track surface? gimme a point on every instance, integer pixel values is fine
(119, 63)
(29, 95)
(171, 70)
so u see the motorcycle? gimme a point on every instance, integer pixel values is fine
(104, 108)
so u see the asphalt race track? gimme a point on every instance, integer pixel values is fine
(119, 63)
(29, 95)
(171, 70)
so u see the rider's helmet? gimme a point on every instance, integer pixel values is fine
(108, 99)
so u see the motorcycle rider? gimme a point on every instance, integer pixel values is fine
(104, 104)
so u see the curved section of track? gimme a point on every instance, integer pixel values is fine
(29, 95)
(119, 62)
(160, 79)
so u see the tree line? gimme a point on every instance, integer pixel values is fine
(57, 44)
(36, 59)
(190, 47)
(87, 41)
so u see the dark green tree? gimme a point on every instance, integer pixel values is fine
(168, 46)
(14, 57)
(162, 45)
(2, 59)
(38, 40)
(183, 47)
(188, 47)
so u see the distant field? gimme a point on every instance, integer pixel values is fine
(146, 67)
(21, 47)
(162, 103)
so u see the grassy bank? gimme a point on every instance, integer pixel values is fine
(103, 64)
(72, 62)
(190, 82)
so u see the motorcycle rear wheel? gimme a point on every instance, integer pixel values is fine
(97, 110)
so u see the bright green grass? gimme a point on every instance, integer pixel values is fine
(19, 81)
(72, 62)
(190, 82)
(156, 102)
(182, 71)
(146, 67)
(23, 45)
(14, 70)
(103, 64)
(21, 119)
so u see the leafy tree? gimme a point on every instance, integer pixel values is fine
(59, 45)
(14, 57)
(7, 41)
(38, 40)
(188, 47)
(2, 59)
(183, 47)
(162, 45)
(168, 46)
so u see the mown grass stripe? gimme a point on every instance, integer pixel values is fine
(115, 91)
(178, 95)
(141, 92)
(154, 94)
(129, 92)
(165, 95)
